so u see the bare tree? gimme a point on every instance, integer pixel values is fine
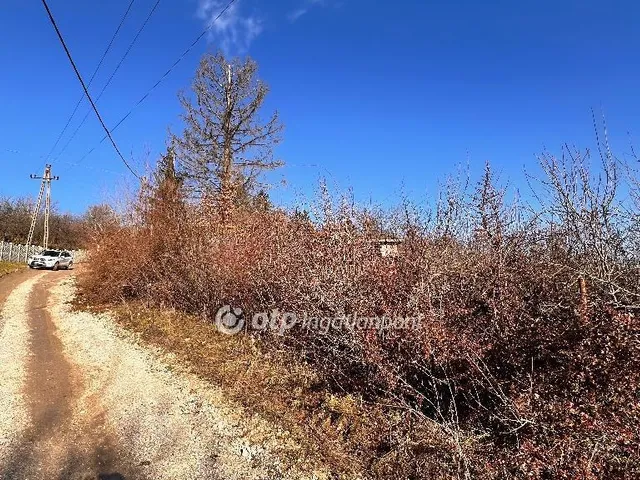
(587, 213)
(225, 144)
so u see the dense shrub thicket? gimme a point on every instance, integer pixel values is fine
(526, 357)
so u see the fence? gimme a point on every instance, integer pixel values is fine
(13, 252)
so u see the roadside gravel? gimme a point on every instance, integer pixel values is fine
(171, 423)
(14, 354)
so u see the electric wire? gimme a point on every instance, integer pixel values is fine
(113, 74)
(93, 76)
(162, 78)
(86, 90)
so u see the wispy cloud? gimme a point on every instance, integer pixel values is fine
(233, 30)
(296, 14)
(304, 9)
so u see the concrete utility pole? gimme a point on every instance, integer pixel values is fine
(45, 188)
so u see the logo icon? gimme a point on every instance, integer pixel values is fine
(229, 320)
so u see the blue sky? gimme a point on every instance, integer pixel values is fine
(383, 97)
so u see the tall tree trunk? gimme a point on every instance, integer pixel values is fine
(226, 187)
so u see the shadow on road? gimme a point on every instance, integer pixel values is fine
(68, 438)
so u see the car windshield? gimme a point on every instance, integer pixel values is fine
(50, 253)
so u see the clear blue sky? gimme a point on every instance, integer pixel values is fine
(383, 97)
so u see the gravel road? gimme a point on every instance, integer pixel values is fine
(81, 399)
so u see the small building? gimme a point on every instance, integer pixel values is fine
(389, 247)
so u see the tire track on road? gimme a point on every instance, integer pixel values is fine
(165, 418)
(65, 436)
(80, 399)
(15, 417)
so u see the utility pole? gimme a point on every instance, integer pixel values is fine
(45, 190)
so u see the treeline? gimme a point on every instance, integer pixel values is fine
(525, 362)
(65, 230)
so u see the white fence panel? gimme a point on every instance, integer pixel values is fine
(14, 252)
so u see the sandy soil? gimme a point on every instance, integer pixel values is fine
(81, 399)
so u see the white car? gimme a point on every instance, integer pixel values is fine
(52, 259)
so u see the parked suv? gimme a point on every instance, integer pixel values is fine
(53, 259)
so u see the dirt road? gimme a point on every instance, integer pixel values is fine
(81, 399)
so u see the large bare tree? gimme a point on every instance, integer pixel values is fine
(226, 144)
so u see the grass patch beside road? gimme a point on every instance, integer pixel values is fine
(10, 267)
(268, 383)
(338, 431)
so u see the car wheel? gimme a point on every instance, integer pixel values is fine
(70, 266)
(31, 266)
(56, 267)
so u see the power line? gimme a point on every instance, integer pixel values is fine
(113, 74)
(93, 76)
(84, 87)
(126, 54)
(162, 78)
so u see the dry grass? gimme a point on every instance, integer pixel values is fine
(10, 267)
(340, 431)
